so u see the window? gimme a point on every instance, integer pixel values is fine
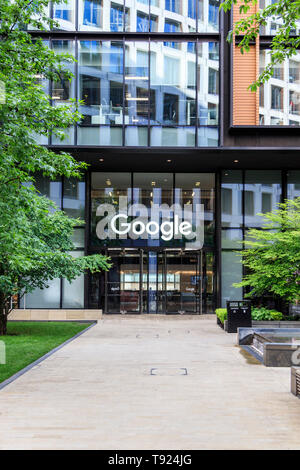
(226, 201)
(142, 22)
(294, 103)
(266, 202)
(213, 81)
(192, 9)
(172, 27)
(276, 98)
(116, 17)
(92, 12)
(249, 203)
(294, 72)
(172, 5)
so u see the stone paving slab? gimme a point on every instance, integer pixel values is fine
(98, 392)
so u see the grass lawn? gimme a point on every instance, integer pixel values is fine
(27, 341)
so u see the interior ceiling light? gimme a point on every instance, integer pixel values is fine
(101, 159)
(169, 161)
(235, 161)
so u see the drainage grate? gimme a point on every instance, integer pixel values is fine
(168, 371)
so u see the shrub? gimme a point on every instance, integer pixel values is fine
(221, 314)
(264, 314)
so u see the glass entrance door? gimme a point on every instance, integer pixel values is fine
(123, 283)
(183, 282)
(155, 282)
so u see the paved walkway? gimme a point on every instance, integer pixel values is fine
(98, 392)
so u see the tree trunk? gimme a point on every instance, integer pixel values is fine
(3, 323)
(3, 315)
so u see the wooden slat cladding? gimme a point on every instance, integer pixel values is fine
(245, 71)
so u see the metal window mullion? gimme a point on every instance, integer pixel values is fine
(76, 73)
(197, 90)
(123, 117)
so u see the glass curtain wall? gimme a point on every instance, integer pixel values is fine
(69, 196)
(279, 100)
(137, 93)
(244, 194)
(137, 15)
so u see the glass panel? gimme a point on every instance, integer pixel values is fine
(136, 136)
(208, 15)
(100, 135)
(107, 189)
(50, 189)
(262, 194)
(172, 136)
(64, 15)
(136, 83)
(208, 274)
(123, 284)
(208, 83)
(173, 83)
(91, 15)
(280, 96)
(118, 16)
(43, 298)
(273, 23)
(63, 90)
(232, 271)
(208, 136)
(67, 140)
(293, 186)
(198, 188)
(73, 292)
(74, 198)
(101, 82)
(232, 187)
(232, 239)
(79, 237)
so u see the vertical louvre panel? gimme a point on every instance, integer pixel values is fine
(245, 71)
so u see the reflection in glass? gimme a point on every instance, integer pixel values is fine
(90, 14)
(231, 202)
(107, 188)
(172, 136)
(198, 188)
(262, 194)
(64, 15)
(136, 83)
(208, 83)
(293, 184)
(73, 292)
(74, 197)
(101, 82)
(173, 84)
(51, 189)
(136, 136)
(232, 271)
(279, 99)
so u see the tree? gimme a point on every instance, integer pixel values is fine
(273, 254)
(283, 45)
(34, 239)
